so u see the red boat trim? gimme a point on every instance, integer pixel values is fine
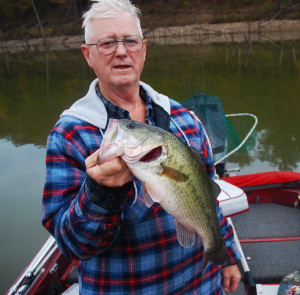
(238, 213)
(67, 270)
(263, 240)
(263, 178)
(231, 198)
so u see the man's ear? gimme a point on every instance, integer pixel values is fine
(86, 53)
(145, 49)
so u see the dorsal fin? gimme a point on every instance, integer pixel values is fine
(214, 186)
(198, 154)
(215, 189)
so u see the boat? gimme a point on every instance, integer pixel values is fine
(263, 209)
(269, 235)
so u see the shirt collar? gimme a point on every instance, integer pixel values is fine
(116, 112)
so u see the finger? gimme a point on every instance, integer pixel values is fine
(91, 160)
(226, 284)
(117, 179)
(119, 172)
(114, 173)
(114, 166)
(234, 285)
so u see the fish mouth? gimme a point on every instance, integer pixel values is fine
(152, 155)
(109, 148)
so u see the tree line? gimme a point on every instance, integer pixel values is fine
(19, 16)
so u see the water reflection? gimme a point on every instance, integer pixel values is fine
(33, 95)
(263, 80)
(22, 173)
(36, 88)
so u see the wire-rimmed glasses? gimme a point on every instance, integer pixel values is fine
(107, 46)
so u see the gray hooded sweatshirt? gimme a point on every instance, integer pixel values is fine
(92, 110)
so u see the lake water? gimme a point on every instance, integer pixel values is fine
(263, 79)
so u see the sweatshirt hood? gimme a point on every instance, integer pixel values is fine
(91, 109)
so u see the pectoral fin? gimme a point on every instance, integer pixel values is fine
(150, 195)
(148, 200)
(174, 174)
(186, 237)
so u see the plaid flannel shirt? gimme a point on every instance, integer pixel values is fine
(131, 250)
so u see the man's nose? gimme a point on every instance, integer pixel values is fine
(121, 48)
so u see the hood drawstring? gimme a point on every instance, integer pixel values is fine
(186, 139)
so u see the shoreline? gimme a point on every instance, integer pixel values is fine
(268, 31)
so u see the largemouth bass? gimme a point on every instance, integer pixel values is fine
(173, 175)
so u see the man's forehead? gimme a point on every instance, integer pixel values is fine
(114, 27)
(125, 20)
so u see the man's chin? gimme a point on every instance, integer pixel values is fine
(125, 82)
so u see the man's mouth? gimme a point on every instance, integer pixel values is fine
(122, 67)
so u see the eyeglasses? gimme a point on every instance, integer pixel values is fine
(107, 46)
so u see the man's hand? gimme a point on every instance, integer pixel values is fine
(114, 173)
(230, 278)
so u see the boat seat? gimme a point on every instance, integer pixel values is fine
(232, 199)
(269, 261)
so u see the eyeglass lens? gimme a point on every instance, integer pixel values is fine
(108, 45)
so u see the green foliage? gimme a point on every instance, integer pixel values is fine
(63, 16)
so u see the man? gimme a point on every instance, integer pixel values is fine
(122, 246)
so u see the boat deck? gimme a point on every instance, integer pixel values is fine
(258, 231)
(270, 237)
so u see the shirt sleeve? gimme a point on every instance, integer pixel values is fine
(81, 227)
(110, 198)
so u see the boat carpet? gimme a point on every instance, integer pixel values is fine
(267, 220)
(269, 262)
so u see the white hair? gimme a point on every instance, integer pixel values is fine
(105, 9)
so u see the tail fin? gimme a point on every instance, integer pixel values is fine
(219, 257)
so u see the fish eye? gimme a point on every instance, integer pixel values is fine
(130, 125)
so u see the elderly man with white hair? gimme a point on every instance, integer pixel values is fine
(97, 213)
